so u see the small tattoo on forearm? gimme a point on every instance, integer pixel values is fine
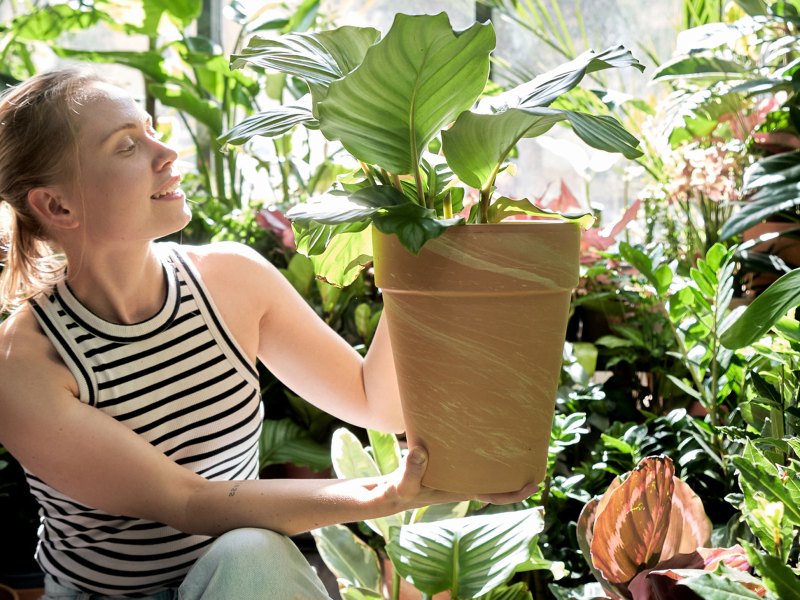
(233, 490)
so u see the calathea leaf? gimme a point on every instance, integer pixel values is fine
(545, 88)
(689, 526)
(270, 123)
(631, 525)
(776, 181)
(413, 224)
(505, 207)
(336, 207)
(353, 562)
(410, 85)
(469, 556)
(320, 57)
(478, 144)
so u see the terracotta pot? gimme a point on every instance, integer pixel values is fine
(477, 323)
(6, 593)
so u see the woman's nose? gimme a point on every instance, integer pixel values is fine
(165, 156)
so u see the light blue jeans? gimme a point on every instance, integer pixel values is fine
(251, 564)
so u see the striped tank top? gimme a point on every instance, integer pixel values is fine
(180, 381)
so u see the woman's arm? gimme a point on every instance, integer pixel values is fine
(272, 321)
(92, 458)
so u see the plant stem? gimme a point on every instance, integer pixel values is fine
(395, 585)
(421, 200)
(447, 206)
(486, 196)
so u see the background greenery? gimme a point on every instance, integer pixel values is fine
(660, 358)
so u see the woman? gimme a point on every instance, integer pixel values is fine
(128, 390)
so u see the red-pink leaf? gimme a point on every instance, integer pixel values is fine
(735, 557)
(585, 529)
(629, 530)
(689, 526)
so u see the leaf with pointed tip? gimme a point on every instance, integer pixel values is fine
(777, 181)
(413, 224)
(321, 57)
(385, 450)
(469, 556)
(353, 562)
(269, 123)
(352, 461)
(778, 578)
(505, 207)
(477, 144)
(548, 86)
(766, 310)
(701, 67)
(410, 85)
(689, 526)
(629, 531)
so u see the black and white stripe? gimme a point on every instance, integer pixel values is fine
(181, 382)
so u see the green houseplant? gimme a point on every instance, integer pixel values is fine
(402, 106)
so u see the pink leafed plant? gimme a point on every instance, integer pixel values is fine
(647, 532)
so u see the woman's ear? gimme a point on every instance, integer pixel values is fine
(52, 209)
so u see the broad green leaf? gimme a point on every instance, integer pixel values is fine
(705, 67)
(757, 474)
(353, 562)
(336, 208)
(469, 556)
(477, 144)
(548, 86)
(284, 441)
(413, 224)
(151, 63)
(187, 101)
(711, 586)
(385, 450)
(440, 512)
(183, 12)
(49, 21)
(270, 123)
(767, 309)
(505, 207)
(518, 591)
(313, 238)
(777, 181)
(410, 85)
(345, 256)
(320, 57)
(352, 461)
(778, 578)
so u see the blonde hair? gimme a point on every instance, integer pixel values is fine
(38, 147)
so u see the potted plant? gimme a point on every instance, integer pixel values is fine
(477, 314)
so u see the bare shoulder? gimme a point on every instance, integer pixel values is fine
(228, 260)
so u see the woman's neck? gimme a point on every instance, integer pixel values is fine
(120, 287)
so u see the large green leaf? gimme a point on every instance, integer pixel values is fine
(318, 58)
(385, 450)
(758, 475)
(764, 312)
(705, 67)
(345, 256)
(353, 562)
(336, 208)
(477, 144)
(413, 224)
(205, 111)
(49, 21)
(352, 461)
(284, 441)
(711, 586)
(777, 181)
(548, 86)
(778, 577)
(469, 556)
(150, 63)
(411, 84)
(270, 123)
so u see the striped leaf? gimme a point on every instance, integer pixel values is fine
(689, 526)
(353, 562)
(469, 556)
(629, 531)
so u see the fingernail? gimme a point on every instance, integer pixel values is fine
(416, 456)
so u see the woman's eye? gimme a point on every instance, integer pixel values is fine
(129, 146)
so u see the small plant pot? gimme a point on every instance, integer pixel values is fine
(6, 593)
(477, 323)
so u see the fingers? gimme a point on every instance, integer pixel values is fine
(411, 477)
(511, 497)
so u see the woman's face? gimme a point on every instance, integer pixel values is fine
(127, 178)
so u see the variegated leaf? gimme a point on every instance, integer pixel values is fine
(689, 526)
(630, 529)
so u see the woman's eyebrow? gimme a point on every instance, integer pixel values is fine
(128, 125)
